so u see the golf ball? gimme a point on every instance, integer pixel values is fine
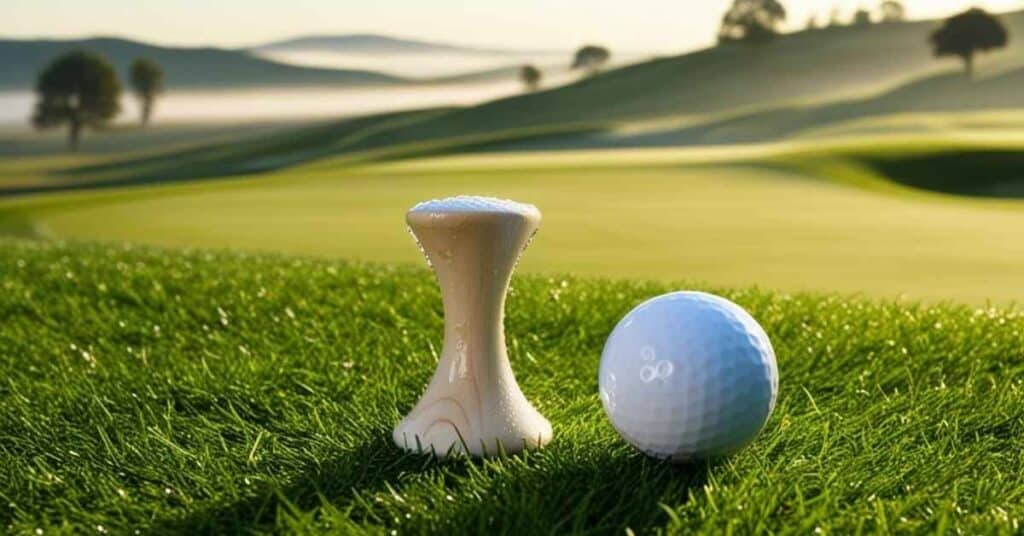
(688, 376)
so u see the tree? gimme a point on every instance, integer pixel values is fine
(752, 21)
(893, 11)
(834, 18)
(861, 17)
(591, 58)
(968, 33)
(78, 89)
(530, 76)
(147, 82)
(812, 23)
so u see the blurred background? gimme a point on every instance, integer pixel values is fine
(872, 147)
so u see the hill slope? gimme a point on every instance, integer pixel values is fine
(817, 65)
(22, 60)
(937, 93)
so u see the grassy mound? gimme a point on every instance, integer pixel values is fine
(155, 390)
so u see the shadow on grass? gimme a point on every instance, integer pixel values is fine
(547, 492)
(362, 470)
(984, 173)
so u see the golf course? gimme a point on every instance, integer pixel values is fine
(213, 327)
(792, 217)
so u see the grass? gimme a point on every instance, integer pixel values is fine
(805, 80)
(790, 217)
(197, 391)
(119, 140)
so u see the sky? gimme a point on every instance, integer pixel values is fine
(657, 26)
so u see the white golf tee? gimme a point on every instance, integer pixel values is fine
(473, 403)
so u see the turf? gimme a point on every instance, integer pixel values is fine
(794, 217)
(151, 390)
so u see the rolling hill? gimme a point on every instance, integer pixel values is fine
(944, 92)
(805, 68)
(184, 67)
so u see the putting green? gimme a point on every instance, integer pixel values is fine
(712, 215)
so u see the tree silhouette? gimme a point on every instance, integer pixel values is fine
(893, 11)
(968, 33)
(78, 89)
(834, 18)
(752, 21)
(591, 58)
(530, 76)
(861, 17)
(812, 23)
(147, 82)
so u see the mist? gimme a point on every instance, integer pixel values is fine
(414, 65)
(285, 103)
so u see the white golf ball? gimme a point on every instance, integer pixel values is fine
(688, 376)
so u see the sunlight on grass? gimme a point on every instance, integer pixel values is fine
(775, 216)
(200, 392)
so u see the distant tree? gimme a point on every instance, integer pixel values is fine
(752, 21)
(968, 33)
(861, 17)
(147, 82)
(812, 23)
(78, 89)
(893, 11)
(530, 76)
(591, 58)
(834, 18)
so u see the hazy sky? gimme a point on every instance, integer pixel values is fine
(639, 25)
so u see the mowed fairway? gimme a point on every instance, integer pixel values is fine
(727, 216)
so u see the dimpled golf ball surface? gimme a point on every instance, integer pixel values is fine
(688, 376)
